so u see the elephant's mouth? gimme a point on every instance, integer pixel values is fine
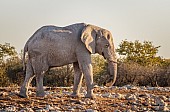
(103, 55)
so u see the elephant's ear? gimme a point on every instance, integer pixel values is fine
(88, 38)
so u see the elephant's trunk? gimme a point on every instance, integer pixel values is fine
(112, 67)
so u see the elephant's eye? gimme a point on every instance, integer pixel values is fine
(107, 45)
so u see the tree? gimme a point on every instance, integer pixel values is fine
(140, 65)
(6, 54)
(141, 53)
(6, 50)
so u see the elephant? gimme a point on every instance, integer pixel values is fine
(53, 46)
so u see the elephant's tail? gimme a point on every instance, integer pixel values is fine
(23, 61)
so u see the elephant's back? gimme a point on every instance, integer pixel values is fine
(41, 34)
(57, 30)
(59, 37)
(38, 35)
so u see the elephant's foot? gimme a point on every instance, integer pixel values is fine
(92, 96)
(75, 95)
(40, 93)
(23, 93)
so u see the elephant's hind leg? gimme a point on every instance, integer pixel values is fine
(40, 67)
(39, 82)
(28, 78)
(78, 76)
(40, 70)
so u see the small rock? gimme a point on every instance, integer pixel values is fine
(163, 98)
(117, 111)
(134, 108)
(106, 95)
(114, 105)
(145, 109)
(123, 88)
(113, 87)
(48, 107)
(95, 86)
(47, 92)
(99, 95)
(119, 96)
(113, 96)
(159, 88)
(145, 95)
(130, 97)
(89, 101)
(57, 108)
(16, 91)
(67, 93)
(9, 109)
(41, 110)
(168, 99)
(5, 94)
(121, 104)
(143, 88)
(164, 108)
(159, 102)
(166, 89)
(150, 88)
(101, 87)
(135, 88)
(128, 111)
(29, 92)
(81, 102)
(128, 86)
(147, 102)
(93, 102)
(70, 109)
(27, 110)
(156, 108)
(30, 110)
(134, 103)
(153, 103)
(90, 110)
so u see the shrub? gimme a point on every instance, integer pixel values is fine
(59, 76)
(99, 69)
(4, 80)
(130, 70)
(135, 74)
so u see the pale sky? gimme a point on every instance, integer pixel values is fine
(126, 19)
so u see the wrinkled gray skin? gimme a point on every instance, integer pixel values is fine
(52, 46)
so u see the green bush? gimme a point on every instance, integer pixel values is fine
(143, 53)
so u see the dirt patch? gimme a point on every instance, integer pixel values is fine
(108, 99)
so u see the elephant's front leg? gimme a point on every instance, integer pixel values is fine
(86, 67)
(78, 76)
(88, 73)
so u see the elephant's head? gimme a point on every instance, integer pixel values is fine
(98, 40)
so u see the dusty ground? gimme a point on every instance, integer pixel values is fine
(127, 98)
